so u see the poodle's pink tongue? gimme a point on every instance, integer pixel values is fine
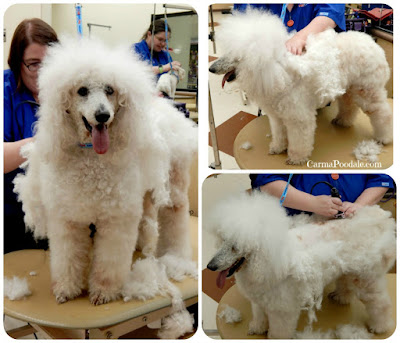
(226, 77)
(221, 278)
(100, 139)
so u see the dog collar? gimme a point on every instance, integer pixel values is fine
(85, 145)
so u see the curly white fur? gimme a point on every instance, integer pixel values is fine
(141, 145)
(230, 315)
(367, 150)
(290, 88)
(286, 269)
(16, 288)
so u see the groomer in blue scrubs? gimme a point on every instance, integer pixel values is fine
(311, 193)
(161, 58)
(28, 48)
(305, 19)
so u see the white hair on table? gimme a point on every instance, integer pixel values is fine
(16, 288)
(367, 150)
(149, 278)
(230, 315)
(246, 146)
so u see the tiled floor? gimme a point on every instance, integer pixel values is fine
(226, 103)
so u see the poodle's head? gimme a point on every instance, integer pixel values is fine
(248, 228)
(249, 41)
(92, 94)
(93, 104)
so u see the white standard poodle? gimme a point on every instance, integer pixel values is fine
(347, 66)
(282, 267)
(108, 153)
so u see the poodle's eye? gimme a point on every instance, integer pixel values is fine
(83, 91)
(109, 90)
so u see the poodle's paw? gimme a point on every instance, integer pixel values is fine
(275, 149)
(380, 326)
(257, 328)
(296, 161)
(100, 297)
(64, 293)
(385, 140)
(340, 298)
(339, 121)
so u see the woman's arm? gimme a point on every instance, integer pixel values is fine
(166, 67)
(12, 157)
(297, 43)
(370, 196)
(323, 205)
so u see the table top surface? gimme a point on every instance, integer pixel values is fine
(331, 143)
(41, 307)
(329, 317)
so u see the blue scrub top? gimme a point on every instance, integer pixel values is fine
(350, 186)
(19, 119)
(302, 14)
(144, 53)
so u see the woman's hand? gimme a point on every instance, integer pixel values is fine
(175, 66)
(12, 156)
(327, 206)
(349, 208)
(295, 45)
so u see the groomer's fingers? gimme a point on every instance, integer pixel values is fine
(337, 201)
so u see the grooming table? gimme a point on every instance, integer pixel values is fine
(329, 317)
(332, 142)
(78, 318)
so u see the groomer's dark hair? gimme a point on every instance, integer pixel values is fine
(29, 31)
(159, 26)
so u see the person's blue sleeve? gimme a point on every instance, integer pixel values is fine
(258, 180)
(135, 48)
(379, 180)
(140, 50)
(243, 7)
(8, 122)
(240, 7)
(333, 11)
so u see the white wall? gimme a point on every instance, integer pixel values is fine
(128, 21)
(13, 16)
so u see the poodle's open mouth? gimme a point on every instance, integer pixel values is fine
(229, 76)
(229, 272)
(100, 138)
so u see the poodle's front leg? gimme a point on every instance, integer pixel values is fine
(279, 137)
(70, 245)
(114, 243)
(259, 322)
(301, 137)
(282, 324)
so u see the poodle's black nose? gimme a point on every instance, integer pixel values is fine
(102, 116)
(212, 266)
(212, 69)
